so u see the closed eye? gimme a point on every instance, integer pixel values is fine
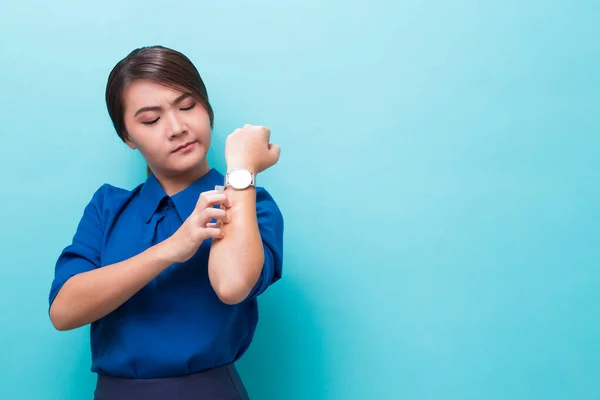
(151, 122)
(188, 108)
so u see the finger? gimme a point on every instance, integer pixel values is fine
(215, 215)
(227, 203)
(218, 223)
(206, 194)
(216, 201)
(214, 233)
(221, 189)
(266, 132)
(210, 213)
(210, 199)
(275, 152)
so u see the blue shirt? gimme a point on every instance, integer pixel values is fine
(175, 325)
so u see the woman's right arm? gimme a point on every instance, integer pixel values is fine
(89, 296)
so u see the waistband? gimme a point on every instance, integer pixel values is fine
(221, 383)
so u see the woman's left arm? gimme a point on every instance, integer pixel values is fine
(236, 261)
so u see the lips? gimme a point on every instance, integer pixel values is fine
(184, 146)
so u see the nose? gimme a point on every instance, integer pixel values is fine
(176, 127)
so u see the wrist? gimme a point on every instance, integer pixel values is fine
(240, 199)
(240, 164)
(166, 252)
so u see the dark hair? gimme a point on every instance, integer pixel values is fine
(158, 64)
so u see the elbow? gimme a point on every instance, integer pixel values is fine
(232, 293)
(59, 318)
(58, 322)
(235, 287)
(233, 290)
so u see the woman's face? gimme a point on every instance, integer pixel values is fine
(170, 128)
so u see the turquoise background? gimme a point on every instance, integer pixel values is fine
(439, 179)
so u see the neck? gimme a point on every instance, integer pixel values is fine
(173, 184)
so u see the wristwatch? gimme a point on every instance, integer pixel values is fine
(240, 179)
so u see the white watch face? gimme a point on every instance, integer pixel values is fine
(240, 179)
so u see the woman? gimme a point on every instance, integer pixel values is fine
(168, 273)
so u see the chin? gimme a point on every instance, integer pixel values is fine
(187, 166)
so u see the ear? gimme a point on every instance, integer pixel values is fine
(129, 142)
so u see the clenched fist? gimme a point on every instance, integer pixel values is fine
(249, 148)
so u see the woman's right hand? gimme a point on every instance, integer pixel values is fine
(184, 243)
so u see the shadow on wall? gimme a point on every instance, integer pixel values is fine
(287, 359)
(70, 352)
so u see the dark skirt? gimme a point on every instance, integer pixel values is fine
(222, 383)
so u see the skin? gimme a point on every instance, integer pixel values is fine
(159, 120)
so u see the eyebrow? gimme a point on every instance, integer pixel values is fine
(158, 108)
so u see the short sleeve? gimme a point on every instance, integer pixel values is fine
(270, 225)
(83, 253)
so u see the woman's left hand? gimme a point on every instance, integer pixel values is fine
(249, 148)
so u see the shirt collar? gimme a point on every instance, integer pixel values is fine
(185, 201)
(151, 193)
